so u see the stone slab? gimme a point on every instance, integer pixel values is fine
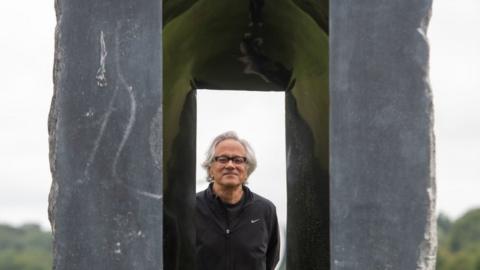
(381, 136)
(105, 131)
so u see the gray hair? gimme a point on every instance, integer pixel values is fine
(230, 135)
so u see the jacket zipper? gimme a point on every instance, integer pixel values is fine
(227, 239)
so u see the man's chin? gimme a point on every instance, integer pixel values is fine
(231, 183)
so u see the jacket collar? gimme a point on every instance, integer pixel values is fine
(211, 196)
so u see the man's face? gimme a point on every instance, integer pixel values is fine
(229, 174)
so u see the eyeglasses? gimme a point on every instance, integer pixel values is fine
(225, 159)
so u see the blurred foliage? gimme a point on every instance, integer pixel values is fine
(25, 248)
(459, 242)
(29, 248)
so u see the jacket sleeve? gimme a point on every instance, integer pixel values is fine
(273, 251)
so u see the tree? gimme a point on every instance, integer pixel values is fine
(25, 248)
(459, 242)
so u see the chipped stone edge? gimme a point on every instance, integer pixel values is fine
(53, 126)
(428, 248)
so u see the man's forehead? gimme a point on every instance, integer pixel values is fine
(229, 145)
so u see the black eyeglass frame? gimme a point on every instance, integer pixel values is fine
(237, 160)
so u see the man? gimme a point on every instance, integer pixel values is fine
(236, 228)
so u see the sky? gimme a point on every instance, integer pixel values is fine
(27, 45)
(455, 80)
(26, 42)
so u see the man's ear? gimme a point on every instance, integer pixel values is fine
(209, 172)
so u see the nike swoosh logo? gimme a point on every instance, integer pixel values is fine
(254, 220)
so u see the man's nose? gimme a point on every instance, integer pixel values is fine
(230, 164)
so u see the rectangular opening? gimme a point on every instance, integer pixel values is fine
(258, 117)
(255, 46)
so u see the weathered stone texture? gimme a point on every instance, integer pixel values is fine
(382, 170)
(105, 135)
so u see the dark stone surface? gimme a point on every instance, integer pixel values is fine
(317, 10)
(308, 196)
(382, 171)
(105, 135)
(179, 228)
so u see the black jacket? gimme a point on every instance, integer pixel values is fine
(248, 240)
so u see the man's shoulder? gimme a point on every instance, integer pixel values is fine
(262, 201)
(200, 195)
